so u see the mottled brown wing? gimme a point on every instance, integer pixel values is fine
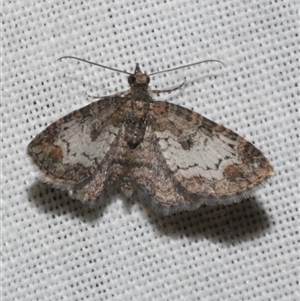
(83, 152)
(188, 160)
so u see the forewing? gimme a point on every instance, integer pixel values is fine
(82, 152)
(194, 161)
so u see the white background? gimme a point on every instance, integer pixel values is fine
(54, 248)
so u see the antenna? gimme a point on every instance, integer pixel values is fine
(85, 61)
(185, 66)
(121, 71)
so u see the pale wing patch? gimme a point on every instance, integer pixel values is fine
(80, 146)
(207, 156)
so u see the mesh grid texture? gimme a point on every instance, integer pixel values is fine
(54, 248)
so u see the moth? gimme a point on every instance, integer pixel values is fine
(166, 155)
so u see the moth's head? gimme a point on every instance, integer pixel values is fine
(138, 78)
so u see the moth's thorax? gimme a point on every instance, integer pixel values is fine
(139, 93)
(135, 119)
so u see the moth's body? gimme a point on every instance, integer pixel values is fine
(170, 156)
(135, 118)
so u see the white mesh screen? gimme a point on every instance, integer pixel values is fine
(54, 248)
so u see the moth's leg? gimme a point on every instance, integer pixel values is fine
(118, 94)
(168, 90)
